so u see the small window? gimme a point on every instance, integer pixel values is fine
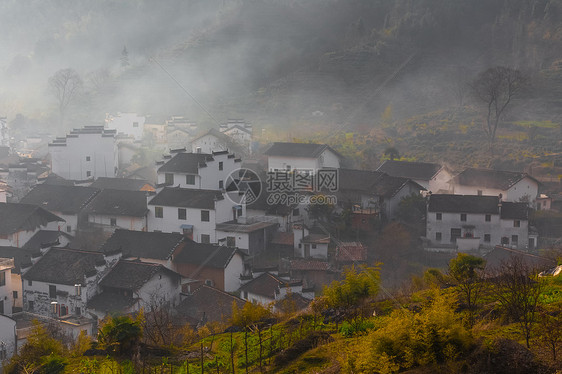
(2, 278)
(88, 173)
(479, 192)
(487, 238)
(438, 216)
(438, 236)
(245, 294)
(463, 217)
(182, 213)
(488, 217)
(113, 222)
(169, 178)
(30, 283)
(296, 212)
(135, 124)
(205, 216)
(221, 185)
(505, 240)
(87, 158)
(205, 239)
(516, 223)
(209, 282)
(514, 239)
(231, 241)
(159, 212)
(220, 165)
(30, 305)
(190, 179)
(52, 291)
(313, 246)
(78, 312)
(15, 294)
(288, 167)
(68, 228)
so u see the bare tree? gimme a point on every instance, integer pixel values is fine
(65, 85)
(495, 88)
(517, 287)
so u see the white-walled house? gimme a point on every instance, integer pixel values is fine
(513, 186)
(195, 213)
(215, 141)
(8, 338)
(211, 264)
(111, 209)
(20, 222)
(239, 131)
(198, 170)
(133, 285)
(63, 281)
(7, 288)
(311, 243)
(86, 153)
(126, 123)
(472, 222)
(268, 288)
(302, 157)
(66, 202)
(431, 176)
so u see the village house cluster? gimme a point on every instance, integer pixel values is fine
(90, 233)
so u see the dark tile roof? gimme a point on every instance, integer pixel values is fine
(57, 180)
(64, 266)
(372, 182)
(127, 184)
(45, 238)
(358, 180)
(512, 210)
(266, 285)
(21, 256)
(187, 198)
(235, 226)
(118, 203)
(208, 304)
(307, 150)
(411, 170)
(186, 163)
(463, 204)
(16, 217)
(154, 245)
(208, 255)
(488, 178)
(501, 255)
(111, 302)
(57, 198)
(263, 202)
(132, 275)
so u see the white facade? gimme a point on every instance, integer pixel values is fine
(232, 273)
(438, 183)
(7, 288)
(86, 153)
(208, 143)
(213, 176)
(326, 159)
(525, 190)
(8, 338)
(476, 230)
(170, 221)
(126, 123)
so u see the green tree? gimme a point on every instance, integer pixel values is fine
(392, 153)
(348, 296)
(549, 328)
(66, 85)
(412, 208)
(465, 270)
(121, 335)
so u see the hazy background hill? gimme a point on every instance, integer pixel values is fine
(278, 62)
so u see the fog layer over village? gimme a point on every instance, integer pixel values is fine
(283, 185)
